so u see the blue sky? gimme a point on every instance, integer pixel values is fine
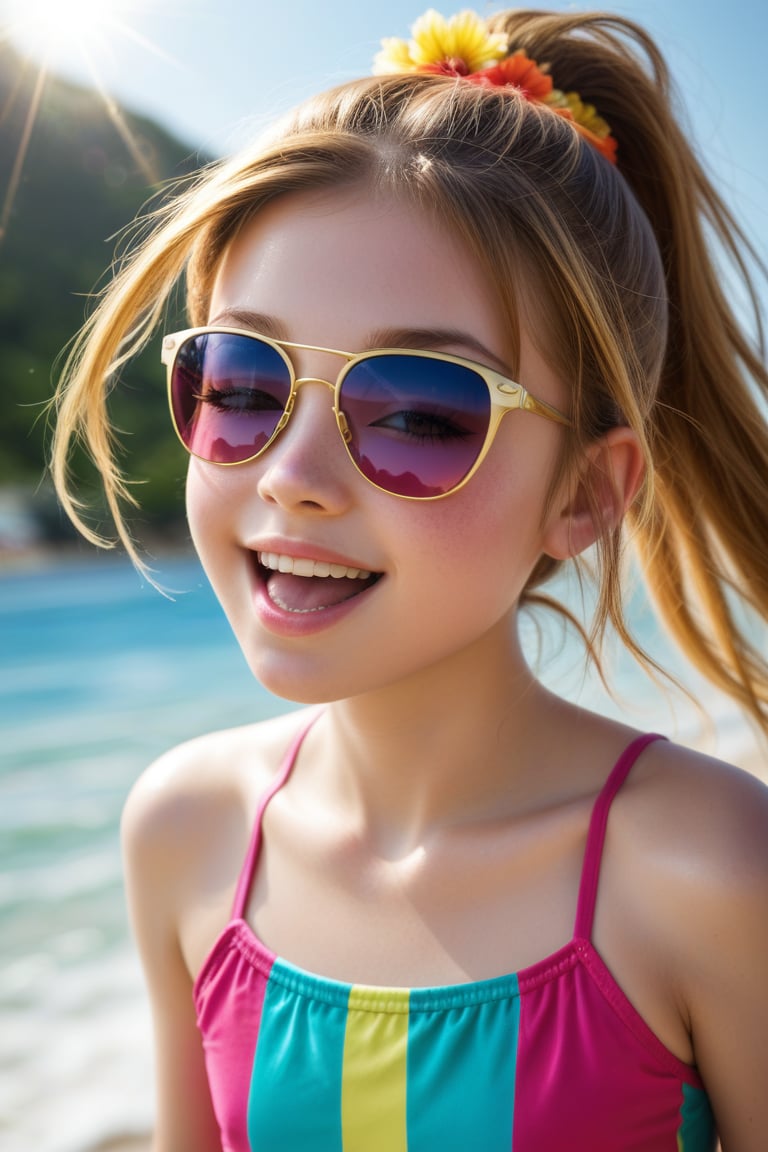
(215, 70)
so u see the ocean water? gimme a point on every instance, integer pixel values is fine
(99, 673)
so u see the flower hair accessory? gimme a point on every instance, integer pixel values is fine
(462, 46)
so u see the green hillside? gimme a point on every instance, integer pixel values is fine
(79, 187)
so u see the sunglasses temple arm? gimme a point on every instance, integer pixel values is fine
(530, 404)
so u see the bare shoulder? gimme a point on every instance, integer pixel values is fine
(687, 856)
(683, 916)
(210, 774)
(718, 870)
(695, 835)
(687, 845)
(186, 826)
(704, 820)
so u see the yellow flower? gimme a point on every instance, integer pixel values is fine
(460, 45)
(585, 120)
(584, 114)
(395, 56)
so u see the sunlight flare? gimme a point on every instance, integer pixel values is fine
(54, 34)
(50, 30)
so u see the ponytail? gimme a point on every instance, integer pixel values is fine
(703, 542)
(637, 322)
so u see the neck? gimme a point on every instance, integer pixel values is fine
(451, 745)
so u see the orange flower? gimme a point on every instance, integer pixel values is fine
(462, 47)
(516, 71)
(585, 120)
(605, 145)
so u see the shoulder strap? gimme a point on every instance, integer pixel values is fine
(252, 856)
(590, 873)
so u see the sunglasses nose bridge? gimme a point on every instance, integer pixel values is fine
(314, 380)
(298, 383)
(331, 386)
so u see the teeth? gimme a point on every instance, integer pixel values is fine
(299, 566)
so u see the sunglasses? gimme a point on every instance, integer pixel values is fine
(415, 424)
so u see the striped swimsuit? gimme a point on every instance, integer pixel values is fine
(550, 1059)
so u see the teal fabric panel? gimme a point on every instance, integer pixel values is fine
(294, 1102)
(461, 1070)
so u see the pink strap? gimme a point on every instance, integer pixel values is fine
(590, 873)
(252, 856)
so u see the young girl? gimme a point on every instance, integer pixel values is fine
(454, 325)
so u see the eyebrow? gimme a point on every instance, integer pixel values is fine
(244, 318)
(423, 339)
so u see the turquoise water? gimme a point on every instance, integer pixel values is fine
(99, 673)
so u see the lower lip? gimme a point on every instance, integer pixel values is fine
(281, 622)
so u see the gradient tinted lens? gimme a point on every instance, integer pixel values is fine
(228, 393)
(417, 425)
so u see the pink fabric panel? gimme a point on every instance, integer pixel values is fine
(229, 995)
(590, 872)
(572, 1039)
(251, 861)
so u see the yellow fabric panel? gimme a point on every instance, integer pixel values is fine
(373, 1092)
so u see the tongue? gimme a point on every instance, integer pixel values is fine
(310, 593)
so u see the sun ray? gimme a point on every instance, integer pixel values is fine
(144, 42)
(38, 28)
(21, 154)
(133, 145)
(12, 97)
(115, 114)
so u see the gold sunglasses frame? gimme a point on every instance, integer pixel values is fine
(505, 394)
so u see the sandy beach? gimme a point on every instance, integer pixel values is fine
(123, 1144)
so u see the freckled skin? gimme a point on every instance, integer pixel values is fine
(437, 814)
(331, 270)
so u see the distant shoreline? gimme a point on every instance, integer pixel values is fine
(126, 1143)
(751, 754)
(41, 555)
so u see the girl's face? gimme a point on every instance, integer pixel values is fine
(352, 270)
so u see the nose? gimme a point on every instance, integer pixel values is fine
(307, 466)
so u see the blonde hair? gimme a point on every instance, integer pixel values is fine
(632, 314)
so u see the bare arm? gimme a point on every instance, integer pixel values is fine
(684, 922)
(155, 858)
(728, 998)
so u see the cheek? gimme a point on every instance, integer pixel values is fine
(215, 499)
(500, 509)
(198, 499)
(211, 496)
(481, 542)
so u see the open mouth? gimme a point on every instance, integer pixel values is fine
(297, 584)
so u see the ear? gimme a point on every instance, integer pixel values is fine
(612, 468)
